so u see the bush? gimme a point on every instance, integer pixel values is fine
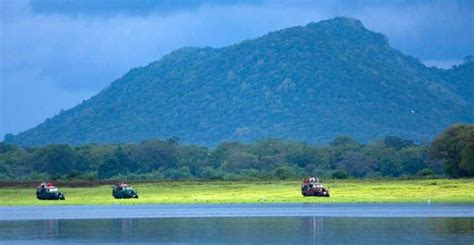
(340, 174)
(178, 174)
(282, 172)
(375, 175)
(425, 172)
(209, 173)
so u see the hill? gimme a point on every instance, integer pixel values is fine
(309, 83)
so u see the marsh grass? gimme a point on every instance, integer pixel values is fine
(342, 191)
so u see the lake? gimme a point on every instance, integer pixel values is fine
(240, 223)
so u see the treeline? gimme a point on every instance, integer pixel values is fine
(451, 154)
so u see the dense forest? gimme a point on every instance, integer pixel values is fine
(450, 154)
(308, 83)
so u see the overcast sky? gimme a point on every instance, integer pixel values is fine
(56, 53)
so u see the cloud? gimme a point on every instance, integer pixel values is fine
(140, 8)
(443, 64)
(27, 100)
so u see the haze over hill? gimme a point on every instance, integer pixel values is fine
(309, 83)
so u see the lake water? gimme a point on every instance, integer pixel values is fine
(254, 223)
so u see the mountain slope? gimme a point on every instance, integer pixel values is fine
(307, 83)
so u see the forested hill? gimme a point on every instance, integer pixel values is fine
(308, 83)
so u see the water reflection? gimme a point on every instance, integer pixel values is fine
(306, 230)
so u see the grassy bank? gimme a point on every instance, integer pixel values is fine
(342, 191)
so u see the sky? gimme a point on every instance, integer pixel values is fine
(56, 53)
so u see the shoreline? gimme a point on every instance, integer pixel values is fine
(77, 212)
(144, 204)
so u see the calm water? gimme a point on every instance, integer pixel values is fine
(425, 224)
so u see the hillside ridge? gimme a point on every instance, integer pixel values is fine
(307, 83)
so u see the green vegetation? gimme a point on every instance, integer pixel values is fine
(455, 146)
(167, 160)
(311, 83)
(451, 154)
(342, 191)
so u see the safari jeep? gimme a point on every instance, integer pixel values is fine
(123, 191)
(49, 192)
(314, 188)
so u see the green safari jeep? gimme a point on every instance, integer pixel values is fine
(49, 192)
(123, 191)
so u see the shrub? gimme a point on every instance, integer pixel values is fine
(425, 172)
(340, 174)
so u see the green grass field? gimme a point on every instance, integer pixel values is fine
(342, 191)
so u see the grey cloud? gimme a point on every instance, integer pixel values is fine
(125, 7)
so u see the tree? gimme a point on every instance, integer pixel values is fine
(4, 148)
(467, 157)
(468, 59)
(194, 157)
(344, 141)
(356, 164)
(282, 172)
(239, 161)
(222, 152)
(55, 160)
(340, 174)
(154, 154)
(414, 159)
(117, 163)
(8, 138)
(455, 148)
(396, 142)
